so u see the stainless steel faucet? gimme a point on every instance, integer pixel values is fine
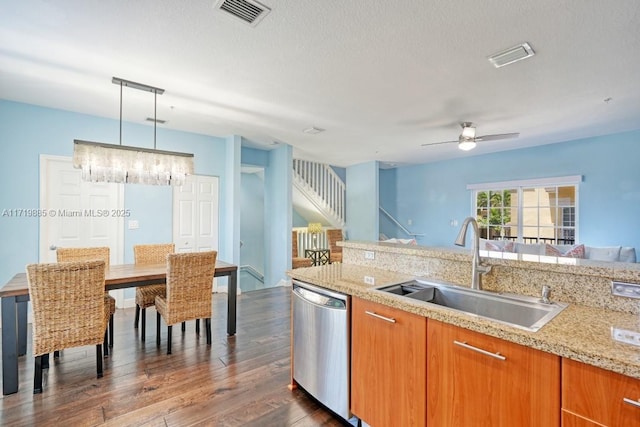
(546, 293)
(477, 268)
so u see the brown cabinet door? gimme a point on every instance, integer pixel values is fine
(477, 380)
(388, 365)
(605, 397)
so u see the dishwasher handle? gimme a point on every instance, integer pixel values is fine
(319, 299)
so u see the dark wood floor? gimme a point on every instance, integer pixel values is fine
(238, 381)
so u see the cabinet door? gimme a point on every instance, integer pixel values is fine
(477, 380)
(572, 420)
(388, 365)
(599, 395)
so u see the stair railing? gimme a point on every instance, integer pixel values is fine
(322, 180)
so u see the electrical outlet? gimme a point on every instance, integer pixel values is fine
(369, 280)
(134, 224)
(409, 222)
(622, 289)
(625, 336)
(369, 255)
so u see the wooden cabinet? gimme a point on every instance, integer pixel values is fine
(388, 365)
(477, 380)
(596, 397)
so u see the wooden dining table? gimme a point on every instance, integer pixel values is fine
(15, 294)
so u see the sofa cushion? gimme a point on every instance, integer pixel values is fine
(603, 253)
(575, 252)
(627, 254)
(530, 248)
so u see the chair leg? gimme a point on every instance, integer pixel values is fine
(207, 323)
(56, 354)
(99, 360)
(37, 376)
(169, 339)
(106, 343)
(197, 326)
(157, 328)
(137, 319)
(184, 326)
(45, 361)
(111, 331)
(144, 323)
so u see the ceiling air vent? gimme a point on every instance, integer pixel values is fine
(248, 11)
(511, 55)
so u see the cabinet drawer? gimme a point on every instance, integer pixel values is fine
(602, 396)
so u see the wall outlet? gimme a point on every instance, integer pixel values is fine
(369, 255)
(622, 289)
(134, 224)
(625, 336)
(369, 280)
(409, 222)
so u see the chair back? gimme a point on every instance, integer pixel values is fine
(334, 235)
(294, 244)
(153, 254)
(189, 285)
(68, 304)
(83, 254)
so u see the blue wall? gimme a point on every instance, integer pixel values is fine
(362, 201)
(26, 131)
(609, 197)
(252, 228)
(278, 220)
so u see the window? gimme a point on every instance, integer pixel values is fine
(531, 211)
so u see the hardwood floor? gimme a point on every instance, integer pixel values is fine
(238, 381)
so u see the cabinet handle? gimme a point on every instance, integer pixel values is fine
(386, 319)
(631, 402)
(479, 350)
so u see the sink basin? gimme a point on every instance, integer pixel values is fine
(515, 310)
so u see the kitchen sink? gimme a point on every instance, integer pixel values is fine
(520, 311)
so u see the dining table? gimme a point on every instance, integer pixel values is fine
(14, 296)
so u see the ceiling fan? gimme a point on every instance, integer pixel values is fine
(467, 139)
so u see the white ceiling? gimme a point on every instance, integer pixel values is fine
(382, 77)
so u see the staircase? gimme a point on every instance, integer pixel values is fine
(322, 189)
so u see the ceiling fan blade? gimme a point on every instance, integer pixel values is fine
(497, 136)
(438, 143)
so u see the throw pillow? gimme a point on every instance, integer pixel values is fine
(575, 252)
(491, 246)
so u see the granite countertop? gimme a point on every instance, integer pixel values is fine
(578, 332)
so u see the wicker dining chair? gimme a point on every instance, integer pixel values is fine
(297, 261)
(334, 235)
(146, 295)
(189, 288)
(86, 254)
(69, 310)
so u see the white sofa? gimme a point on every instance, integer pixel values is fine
(596, 253)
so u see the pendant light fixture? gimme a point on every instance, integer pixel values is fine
(133, 165)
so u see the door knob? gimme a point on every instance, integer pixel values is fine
(53, 247)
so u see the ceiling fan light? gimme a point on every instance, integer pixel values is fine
(466, 144)
(469, 132)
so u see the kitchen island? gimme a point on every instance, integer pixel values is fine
(581, 337)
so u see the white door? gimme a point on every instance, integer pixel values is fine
(195, 214)
(79, 213)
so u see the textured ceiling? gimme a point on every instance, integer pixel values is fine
(382, 77)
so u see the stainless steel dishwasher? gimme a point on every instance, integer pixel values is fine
(321, 343)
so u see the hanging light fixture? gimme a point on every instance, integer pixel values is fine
(134, 165)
